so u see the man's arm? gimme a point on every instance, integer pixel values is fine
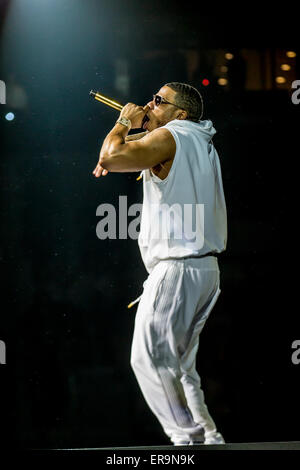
(100, 170)
(119, 155)
(138, 136)
(112, 138)
(156, 147)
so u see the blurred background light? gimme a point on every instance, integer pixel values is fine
(10, 116)
(205, 82)
(285, 67)
(222, 81)
(280, 79)
(229, 56)
(291, 54)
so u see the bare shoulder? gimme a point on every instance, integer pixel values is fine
(161, 133)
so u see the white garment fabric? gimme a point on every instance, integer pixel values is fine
(184, 214)
(177, 299)
(181, 289)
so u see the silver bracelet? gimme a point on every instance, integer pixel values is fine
(125, 122)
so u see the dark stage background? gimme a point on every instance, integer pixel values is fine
(67, 380)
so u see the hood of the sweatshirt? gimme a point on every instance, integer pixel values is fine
(205, 127)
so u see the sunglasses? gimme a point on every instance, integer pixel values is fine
(158, 100)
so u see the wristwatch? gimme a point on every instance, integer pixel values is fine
(125, 122)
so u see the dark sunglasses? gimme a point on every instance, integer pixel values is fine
(159, 100)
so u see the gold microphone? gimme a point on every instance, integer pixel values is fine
(113, 104)
(108, 101)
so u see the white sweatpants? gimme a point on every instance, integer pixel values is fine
(177, 299)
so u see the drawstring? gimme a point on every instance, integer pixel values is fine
(138, 298)
(134, 302)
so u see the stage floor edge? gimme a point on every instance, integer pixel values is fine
(288, 445)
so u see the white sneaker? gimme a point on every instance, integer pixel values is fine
(214, 438)
(196, 436)
(188, 443)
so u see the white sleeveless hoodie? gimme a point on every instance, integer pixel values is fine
(184, 214)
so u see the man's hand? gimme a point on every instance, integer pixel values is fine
(135, 113)
(99, 171)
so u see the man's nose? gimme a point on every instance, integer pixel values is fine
(150, 104)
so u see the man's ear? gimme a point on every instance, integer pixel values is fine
(182, 115)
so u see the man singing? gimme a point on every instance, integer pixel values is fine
(183, 228)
